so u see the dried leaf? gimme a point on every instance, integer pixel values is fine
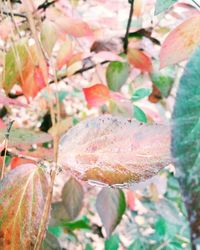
(181, 42)
(110, 205)
(22, 198)
(115, 151)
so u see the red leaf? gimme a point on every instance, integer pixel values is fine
(39, 78)
(181, 42)
(96, 95)
(139, 60)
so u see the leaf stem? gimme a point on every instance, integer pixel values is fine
(128, 27)
(196, 3)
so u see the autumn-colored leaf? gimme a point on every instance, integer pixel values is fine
(16, 161)
(64, 54)
(110, 205)
(19, 136)
(72, 197)
(22, 198)
(181, 42)
(114, 151)
(139, 60)
(96, 95)
(131, 200)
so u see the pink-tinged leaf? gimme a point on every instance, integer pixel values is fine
(19, 136)
(8, 101)
(181, 42)
(39, 78)
(96, 95)
(111, 205)
(22, 198)
(73, 27)
(139, 60)
(110, 56)
(64, 54)
(115, 151)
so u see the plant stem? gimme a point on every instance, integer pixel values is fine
(196, 3)
(128, 28)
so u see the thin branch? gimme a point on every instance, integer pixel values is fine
(128, 27)
(7, 13)
(46, 5)
(196, 3)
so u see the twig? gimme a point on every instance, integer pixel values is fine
(7, 13)
(7, 134)
(196, 3)
(45, 5)
(128, 27)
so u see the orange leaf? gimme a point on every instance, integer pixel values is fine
(139, 60)
(181, 42)
(96, 95)
(23, 193)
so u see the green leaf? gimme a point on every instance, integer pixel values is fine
(72, 197)
(15, 59)
(50, 242)
(139, 114)
(136, 245)
(186, 138)
(116, 75)
(160, 226)
(88, 247)
(21, 136)
(110, 205)
(164, 79)
(82, 223)
(112, 243)
(140, 94)
(162, 5)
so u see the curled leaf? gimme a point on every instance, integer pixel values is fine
(115, 151)
(22, 197)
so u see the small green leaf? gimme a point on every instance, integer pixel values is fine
(112, 243)
(116, 75)
(162, 5)
(88, 247)
(82, 223)
(139, 114)
(140, 94)
(160, 226)
(72, 197)
(110, 205)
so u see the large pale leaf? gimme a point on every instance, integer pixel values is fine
(19, 136)
(162, 5)
(110, 205)
(181, 42)
(113, 150)
(186, 139)
(22, 197)
(72, 197)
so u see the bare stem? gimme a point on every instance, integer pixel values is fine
(128, 27)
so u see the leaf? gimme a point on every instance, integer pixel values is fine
(139, 114)
(64, 54)
(82, 223)
(15, 61)
(48, 36)
(50, 242)
(60, 128)
(110, 205)
(164, 79)
(19, 136)
(96, 95)
(181, 42)
(112, 243)
(140, 94)
(139, 60)
(185, 138)
(162, 5)
(72, 197)
(114, 150)
(116, 75)
(22, 198)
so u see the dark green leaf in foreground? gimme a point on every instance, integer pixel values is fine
(186, 140)
(162, 5)
(112, 243)
(116, 75)
(82, 223)
(21, 136)
(139, 114)
(72, 197)
(110, 205)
